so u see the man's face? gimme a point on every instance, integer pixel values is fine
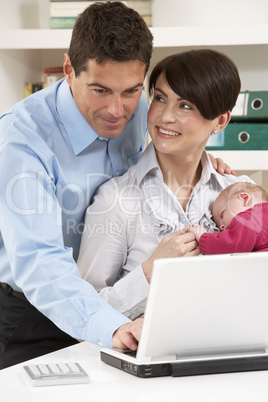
(106, 94)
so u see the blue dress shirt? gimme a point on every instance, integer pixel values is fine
(51, 163)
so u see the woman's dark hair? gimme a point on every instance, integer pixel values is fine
(109, 31)
(207, 78)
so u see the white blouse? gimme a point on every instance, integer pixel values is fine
(128, 218)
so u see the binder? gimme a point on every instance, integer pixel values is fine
(251, 106)
(243, 136)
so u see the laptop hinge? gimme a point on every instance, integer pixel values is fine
(166, 358)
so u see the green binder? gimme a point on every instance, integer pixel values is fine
(251, 106)
(243, 136)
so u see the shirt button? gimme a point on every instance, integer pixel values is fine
(117, 173)
(101, 138)
(100, 343)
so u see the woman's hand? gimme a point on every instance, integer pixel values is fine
(198, 230)
(220, 166)
(179, 244)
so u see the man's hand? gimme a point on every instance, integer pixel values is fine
(128, 335)
(220, 166)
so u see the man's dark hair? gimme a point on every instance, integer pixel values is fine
(109, 31)
(207, 78)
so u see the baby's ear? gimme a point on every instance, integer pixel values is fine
(246, 198)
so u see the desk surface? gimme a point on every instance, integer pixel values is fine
(108, 384)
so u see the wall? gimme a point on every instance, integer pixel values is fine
(209, 12)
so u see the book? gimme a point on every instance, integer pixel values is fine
(62, 22)
(68, 8)
(59, 9)
(52, 1)
(31, 87)
(68, 22)
(52, 75)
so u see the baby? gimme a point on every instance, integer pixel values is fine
(241, 213)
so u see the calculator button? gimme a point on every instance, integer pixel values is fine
(34, 370)
(73, 367)
(43, 368)
(64, 368)
(54, 368)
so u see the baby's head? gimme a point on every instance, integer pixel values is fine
(235, 199)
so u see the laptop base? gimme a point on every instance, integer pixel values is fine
(188, 368)
(220, 366)
(139, 370)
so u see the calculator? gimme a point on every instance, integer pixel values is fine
(56, 374)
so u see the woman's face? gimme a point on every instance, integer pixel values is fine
(175, 125)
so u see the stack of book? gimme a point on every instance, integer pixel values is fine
(31, 87)
(50, 76)
(63, 13)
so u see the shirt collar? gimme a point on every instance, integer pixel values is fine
(80, 133)
(207, 169)
(148, 164)
(208, 172)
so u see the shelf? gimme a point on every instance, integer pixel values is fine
(35, 39)
(210, 36)
(243, 160)
(163, 37)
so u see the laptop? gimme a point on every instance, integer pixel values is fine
(203, 315)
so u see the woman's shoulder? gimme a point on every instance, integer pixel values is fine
(228, 179)
(112, 191)
(129, 178)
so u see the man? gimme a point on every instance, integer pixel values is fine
(56, 147)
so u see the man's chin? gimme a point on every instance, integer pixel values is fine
(111, 132)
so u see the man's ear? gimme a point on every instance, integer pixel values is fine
(246, 197)
(68, 69)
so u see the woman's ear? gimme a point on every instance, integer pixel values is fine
(223, 120)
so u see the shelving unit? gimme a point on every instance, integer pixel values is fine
(25, 52)
(164, 37)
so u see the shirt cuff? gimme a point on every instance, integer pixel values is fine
(132, 289)
(103, 325)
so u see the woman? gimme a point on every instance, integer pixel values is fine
(147, 213)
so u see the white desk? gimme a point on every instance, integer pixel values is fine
(108, 384)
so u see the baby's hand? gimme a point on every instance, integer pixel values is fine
(198, 230)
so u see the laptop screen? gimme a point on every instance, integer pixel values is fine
(206, 304)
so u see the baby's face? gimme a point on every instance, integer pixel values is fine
(224, 209)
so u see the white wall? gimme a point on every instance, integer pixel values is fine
(209, 12)
(252, 61)
(24, 14)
